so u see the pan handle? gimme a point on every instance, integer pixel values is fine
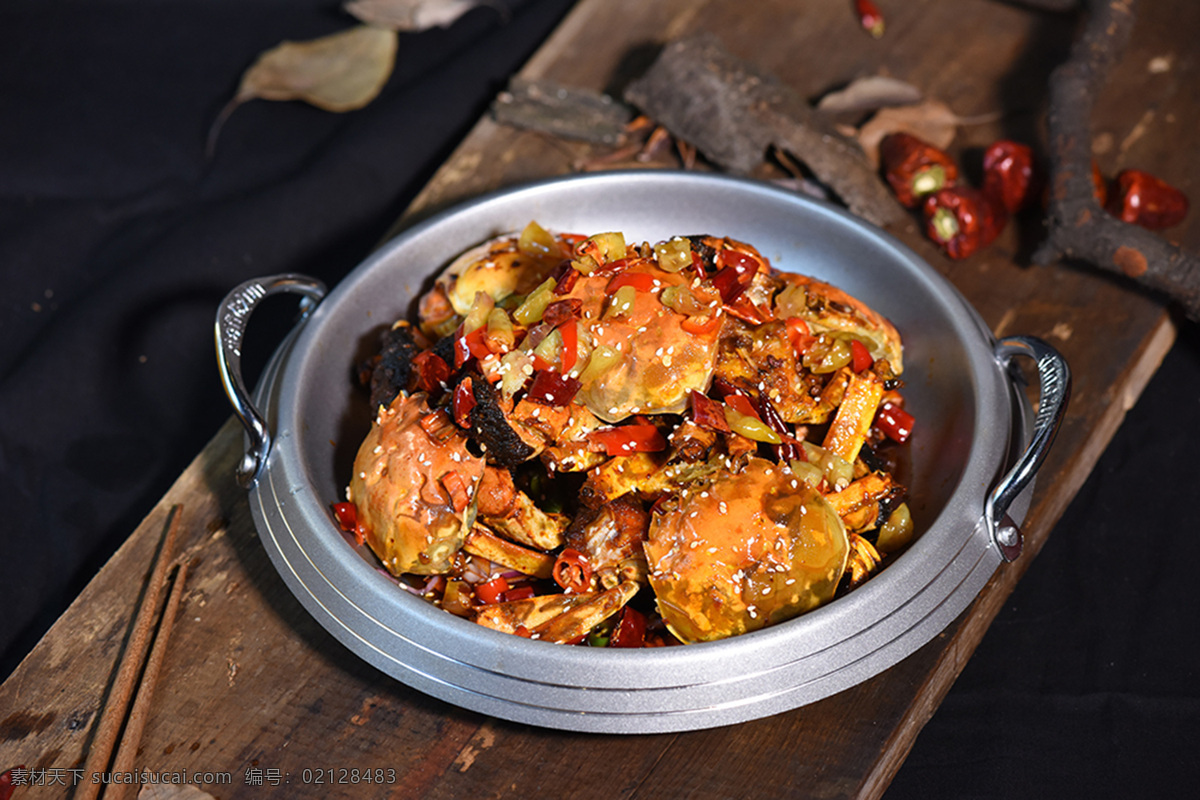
(1054, 378)
(232, 317)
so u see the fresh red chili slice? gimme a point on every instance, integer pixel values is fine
(572, 571)
(518, 593)
(895, 422)
(551, 388)
(625, 439)
(630, 630)
(456, 487)
(860, 356)
(741, 404)
(1142, 199)
(701, 325)
(432, 371)
(492, 591)
(707, 413)
(698, 265)
(470, 345)
(346, 515)
(800, 335)
(641, 281)
(570, 339)
(464, 401)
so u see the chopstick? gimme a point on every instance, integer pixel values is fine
(130, 674)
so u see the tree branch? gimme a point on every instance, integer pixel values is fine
(1078, 227)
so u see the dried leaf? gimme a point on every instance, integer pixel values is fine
(340, 72)
(412, 15)
(169, 791)
(870, 94)
(930, 120)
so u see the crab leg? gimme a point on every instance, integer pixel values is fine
(557, 618)
(485, 544)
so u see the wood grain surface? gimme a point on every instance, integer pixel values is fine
(252, 687)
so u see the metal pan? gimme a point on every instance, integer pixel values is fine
(973, 458)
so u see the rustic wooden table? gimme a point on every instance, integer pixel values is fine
(253, 690)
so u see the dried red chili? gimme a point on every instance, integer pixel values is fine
(708, 413)
(463, 402)
(735, 272)
(915, 168)
(1010, 175)
(6, 782)
(1142, 199)
(961, 220)
(630, 630)
(432, 371)
(560, 311)
(869, 17)
(1100, 185)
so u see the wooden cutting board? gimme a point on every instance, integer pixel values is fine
(256, 700)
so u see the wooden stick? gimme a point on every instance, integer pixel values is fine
(127, 750)
(111, 719)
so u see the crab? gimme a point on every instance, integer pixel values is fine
(710, 424)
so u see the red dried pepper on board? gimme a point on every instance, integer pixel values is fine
(869, 17)
(1142, 199)
(1100, 185)
(914, 168)
(1010, 175)
(961, 220)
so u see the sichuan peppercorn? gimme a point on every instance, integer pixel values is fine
(1010, 175)
(961, 220)
(1142, 199)
(915, 168)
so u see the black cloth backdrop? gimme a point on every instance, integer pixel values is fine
(118, 237)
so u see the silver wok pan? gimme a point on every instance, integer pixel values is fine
(974, 453)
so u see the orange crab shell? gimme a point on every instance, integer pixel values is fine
(836, 311)
(744, 550)
(415, 495)
(659, 363)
